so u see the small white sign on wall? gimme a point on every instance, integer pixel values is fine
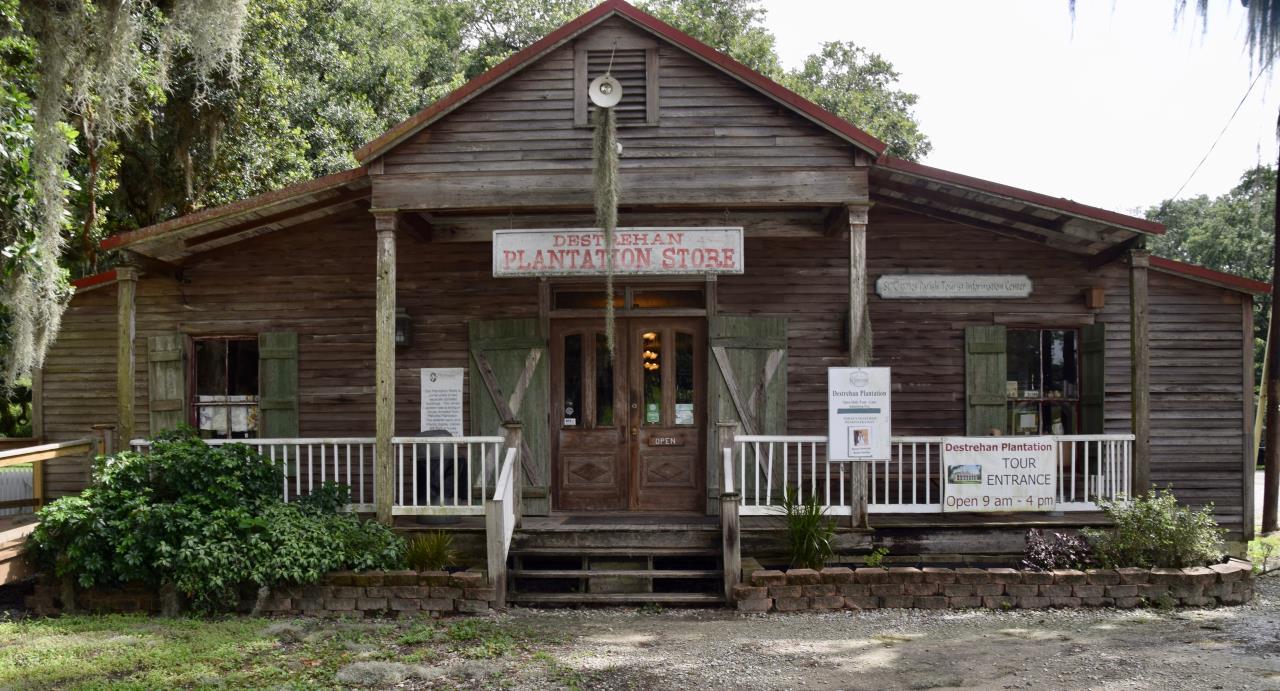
(859, 415)
(442, 400)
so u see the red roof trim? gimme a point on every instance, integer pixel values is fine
(1066, 205)
(95, 280)
(786, 96)
(1233, 281)
(264, 199)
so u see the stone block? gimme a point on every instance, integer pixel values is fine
(446, 593)
(1243, 586)
(934, 574)
(433, 578)
(1132, 575)
(1038, 602)
(958, 590)
(791, 604)
(887, 589)
(1005, 575)
(776, 591)
(759, 604)
(1022, 590)
(1055, 590)
(742, 591)
(1200, 575)
(466, 579)
(855, 590)
(862, 602)
(972, 576)
(1088, 590)
(309, 604)
(921, 589)
(437, 605)
(961, 602)
(999, 602)
(897, 601)
(1152, 591)
(1065, 602)
(930, 602)
(1127, 602)
(1070, 577)
(1185, 590)
(411, 591)
(1103, 576)
(473, 606)
(405, 604)
(1198, 601)
(1037, 577)
(826, 602)
(905, 574)
(347, 591)
(988, 589)
(487, 594)
(1233, 570)
(340, 604)
(1163, 576)
(367, 578)
(768, 578)
(340, 578)
(837, 575)
(803, 577)
(1121, 591)
(371, 603)
(820, 590)
(377, 591)
(870, 575)
(1218, 590)
(1232, 599)
(1096, 601)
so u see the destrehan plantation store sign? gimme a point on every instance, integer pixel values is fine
(636, 252)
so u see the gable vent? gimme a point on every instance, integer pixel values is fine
(630, 69)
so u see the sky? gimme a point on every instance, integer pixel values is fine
(1114, 109)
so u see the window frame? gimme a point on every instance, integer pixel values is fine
(609, 41)
(1075, 402)
(193, 386)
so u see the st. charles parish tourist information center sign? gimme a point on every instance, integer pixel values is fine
(982, 474)
(636, 252)
(954, 287)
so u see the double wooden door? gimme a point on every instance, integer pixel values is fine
(629, 432)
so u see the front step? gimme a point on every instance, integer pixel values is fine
(632, 573)
(616, 598)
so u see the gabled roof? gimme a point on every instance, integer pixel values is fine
(648, 22)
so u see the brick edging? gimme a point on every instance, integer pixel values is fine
(999, 588)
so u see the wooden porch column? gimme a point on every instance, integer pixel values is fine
(1140, 368)
(385, 364)
(126, 327)
(859, 343)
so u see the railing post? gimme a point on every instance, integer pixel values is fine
(726, 430)
(106, 439)
(513, 438)
(858, 495)
(384, 475)
(730, 529)
(497, 556)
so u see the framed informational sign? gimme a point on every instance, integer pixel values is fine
(636, 252)
(442, 400)
(859, 424)
(983, 474)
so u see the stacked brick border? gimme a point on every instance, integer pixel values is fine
(1001, 588)
(338, 594)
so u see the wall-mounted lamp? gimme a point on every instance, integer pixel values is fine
(404, 328)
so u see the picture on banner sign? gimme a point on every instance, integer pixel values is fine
(859, 424)
(999, 474)
(442, 400)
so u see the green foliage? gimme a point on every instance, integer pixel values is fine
(430, 552)
(875, 560)
(809, 531)
(733, 27)
(1058, 551)
(1155, 531)
(206, 519)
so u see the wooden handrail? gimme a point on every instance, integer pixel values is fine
(44, 452)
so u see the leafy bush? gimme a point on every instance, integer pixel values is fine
(809, 531)
(430, 552)
(1057, 551)
(207, 519)
(1155, 531)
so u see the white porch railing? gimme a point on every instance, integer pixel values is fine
(501, 516)
(1090, 467)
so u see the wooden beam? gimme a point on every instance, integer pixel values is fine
(328, 202)
(416, 225)
(942, 196)
(952, 217)
(126, 331)
(1140, 369)
(860, 347)
(385, 364)
(152, 266)
(1112, 253)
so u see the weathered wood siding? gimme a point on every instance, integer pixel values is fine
(517, 144)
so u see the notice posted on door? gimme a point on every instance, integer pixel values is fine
(983, 474)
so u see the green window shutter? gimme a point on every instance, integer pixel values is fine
(167, 381)
(985, 371)
(509, 382)
(278, 385)
(1093, 372)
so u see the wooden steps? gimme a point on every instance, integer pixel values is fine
(628, 573)
(619, 598)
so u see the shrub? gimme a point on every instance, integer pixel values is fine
(1155, 531)
(206, 519)
(430, 552)
(875, 559)
(809, 531)
(1057, 551)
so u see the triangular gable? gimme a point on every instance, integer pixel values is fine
(514, 64)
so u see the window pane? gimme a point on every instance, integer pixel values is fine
(651, 360)
(684, 379)
(604, 384)
(668, 299)
(1024, 418)
(1060, 364)
(584, 299)
(211, 367)
(1060, 418)
(242, 367)
(1023, 357)
(572, 379)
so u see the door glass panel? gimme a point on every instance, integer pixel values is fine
(604, 384)
(1059, 353)
(583, 300)
(668, 299)
(684, 379)
(651, 361)
(572, 380)
(1024, 363)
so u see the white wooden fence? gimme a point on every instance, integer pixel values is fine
(1090, 467)
(502, 514)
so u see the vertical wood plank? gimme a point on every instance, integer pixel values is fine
(859, 343)
(1140, 368)
(1250, 444)
(126, 328)
(385, 364)
(37, 404)
(985, 370)
(731, 538)
(278, 384)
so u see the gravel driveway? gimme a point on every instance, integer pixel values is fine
(1227, 648)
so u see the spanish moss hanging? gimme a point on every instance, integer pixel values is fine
(605, 156)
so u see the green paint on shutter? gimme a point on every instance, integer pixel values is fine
(747, 368)
(510, 355)
(1093, 371)
(166, 381)
(985, 371)
(278, 385)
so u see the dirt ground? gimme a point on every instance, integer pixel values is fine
(1227, 648)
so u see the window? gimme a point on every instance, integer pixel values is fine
(1043, 381)
(634, 66)
(225, 399)
(629, 298)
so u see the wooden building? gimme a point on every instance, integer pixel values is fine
(276, 317)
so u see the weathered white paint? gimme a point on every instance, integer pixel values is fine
(637, 252)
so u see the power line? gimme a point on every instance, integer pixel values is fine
(1217, 139)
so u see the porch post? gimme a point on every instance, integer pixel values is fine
(385, 364)
(859, 343)
(126, 292)
(1140, 368)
